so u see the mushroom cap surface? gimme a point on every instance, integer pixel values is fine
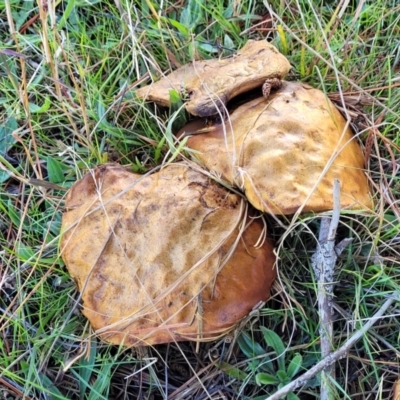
(210, 84)
(161, 258)
(284, 152)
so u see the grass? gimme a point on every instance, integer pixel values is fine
(68, 71)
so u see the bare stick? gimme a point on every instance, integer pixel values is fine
(323, 262)
(337, 355)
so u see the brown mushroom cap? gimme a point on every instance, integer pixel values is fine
(212, 83)
(286, 151)
(152, 255)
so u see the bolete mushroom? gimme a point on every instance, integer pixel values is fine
(165, 257)
(210, 84)
(284, 152)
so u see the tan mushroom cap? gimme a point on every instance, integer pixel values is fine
(285, 152)
(151, 255)
(212, 83)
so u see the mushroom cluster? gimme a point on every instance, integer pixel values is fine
(174, 255)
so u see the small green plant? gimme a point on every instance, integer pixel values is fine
(271, 369)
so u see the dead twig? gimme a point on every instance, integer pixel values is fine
(323, 262)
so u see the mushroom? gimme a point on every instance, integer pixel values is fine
(165, 257)
(210, 84)
(284, 152)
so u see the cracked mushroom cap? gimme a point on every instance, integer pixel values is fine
(212, 83)
(165, 257)
(285, 152)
